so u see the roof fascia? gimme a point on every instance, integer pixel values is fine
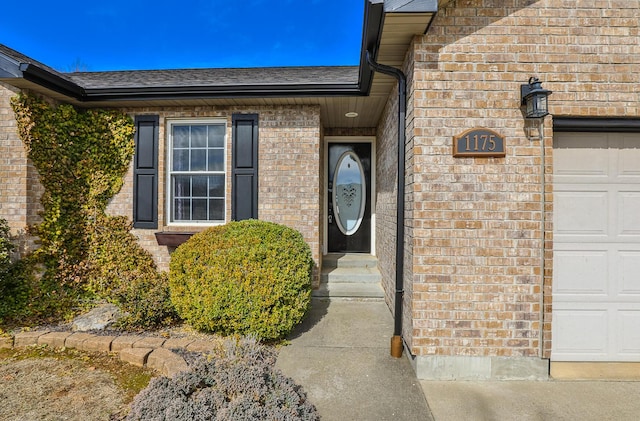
(9, 68)
(50, 80)
(202, 92)
(371, 34)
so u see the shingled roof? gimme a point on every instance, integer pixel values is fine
(216, 77)
(212, 80)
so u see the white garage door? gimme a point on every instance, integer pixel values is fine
(596, 264)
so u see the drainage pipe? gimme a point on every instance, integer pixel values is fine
(396, 340)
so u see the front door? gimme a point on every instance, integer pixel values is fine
(349, 198)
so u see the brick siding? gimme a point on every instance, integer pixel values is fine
(289, 168)
(18, 176)
(478, 247)
(289, 173)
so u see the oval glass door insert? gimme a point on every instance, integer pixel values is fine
(349, 198)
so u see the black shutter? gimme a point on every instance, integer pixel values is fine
(244, 195)
(145, 173)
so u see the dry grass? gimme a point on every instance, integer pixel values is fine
(38, 383)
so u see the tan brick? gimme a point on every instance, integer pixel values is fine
(174, 366)
(28, 338)
(98, 343)
(76, 340)
(54, 339)
(135, 356)
(123, 342)
(201, 346)
(174, 343)
(166, 362)
(149, 342)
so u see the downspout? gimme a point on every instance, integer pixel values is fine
(543, 186)
(396, 340)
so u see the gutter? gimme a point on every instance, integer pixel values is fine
(199, 92)
(396, 340)
(50, 80)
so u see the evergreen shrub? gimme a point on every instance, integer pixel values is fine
(248, 277)
(124, 273)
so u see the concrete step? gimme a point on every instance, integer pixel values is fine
(349, 290)
(350, 275)
(349, 260)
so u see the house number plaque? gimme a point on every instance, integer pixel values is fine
(479, 142)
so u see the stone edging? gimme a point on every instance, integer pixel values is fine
(142, 351)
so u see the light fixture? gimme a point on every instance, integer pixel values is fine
(351, 114)
(534, 98)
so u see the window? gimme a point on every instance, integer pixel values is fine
(197, 171)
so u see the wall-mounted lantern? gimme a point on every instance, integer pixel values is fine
(534, 98)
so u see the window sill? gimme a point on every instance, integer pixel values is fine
(172, 239)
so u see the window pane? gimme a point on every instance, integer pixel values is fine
(198, 136)
(199, 209)
(180, 136)
(216, 186)
(181, 160)
(197, 172)
(216, 136)
(216, 210)
(216, 159)
(199, 187)
(198, 160)
(182, 186)
(182, 210)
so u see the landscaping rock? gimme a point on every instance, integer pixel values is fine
(123, 342)
(98, 343)
(166, 362)
(135, 356)
(28, 338)
(54, 339)
(97, 319)
(76, 340)
(149, 342)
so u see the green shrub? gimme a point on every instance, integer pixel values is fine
(241, 385)
(248, 277)
(14, 290)
(6, 247)
(82, 157)
(124, 273)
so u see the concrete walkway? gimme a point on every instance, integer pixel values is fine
(340, 355)
(528, 401)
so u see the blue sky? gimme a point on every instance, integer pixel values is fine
(135, 35)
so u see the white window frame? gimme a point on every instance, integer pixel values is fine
(170, 172)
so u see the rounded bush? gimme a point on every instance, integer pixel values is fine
(248, 277)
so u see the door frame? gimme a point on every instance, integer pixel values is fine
(325, 191)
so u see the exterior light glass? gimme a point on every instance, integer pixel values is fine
(534, 98)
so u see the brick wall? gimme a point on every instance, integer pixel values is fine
(479, 251)
(18, 176)
(386, 186)
(289, 173)
(289, 165)
(13, 163)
